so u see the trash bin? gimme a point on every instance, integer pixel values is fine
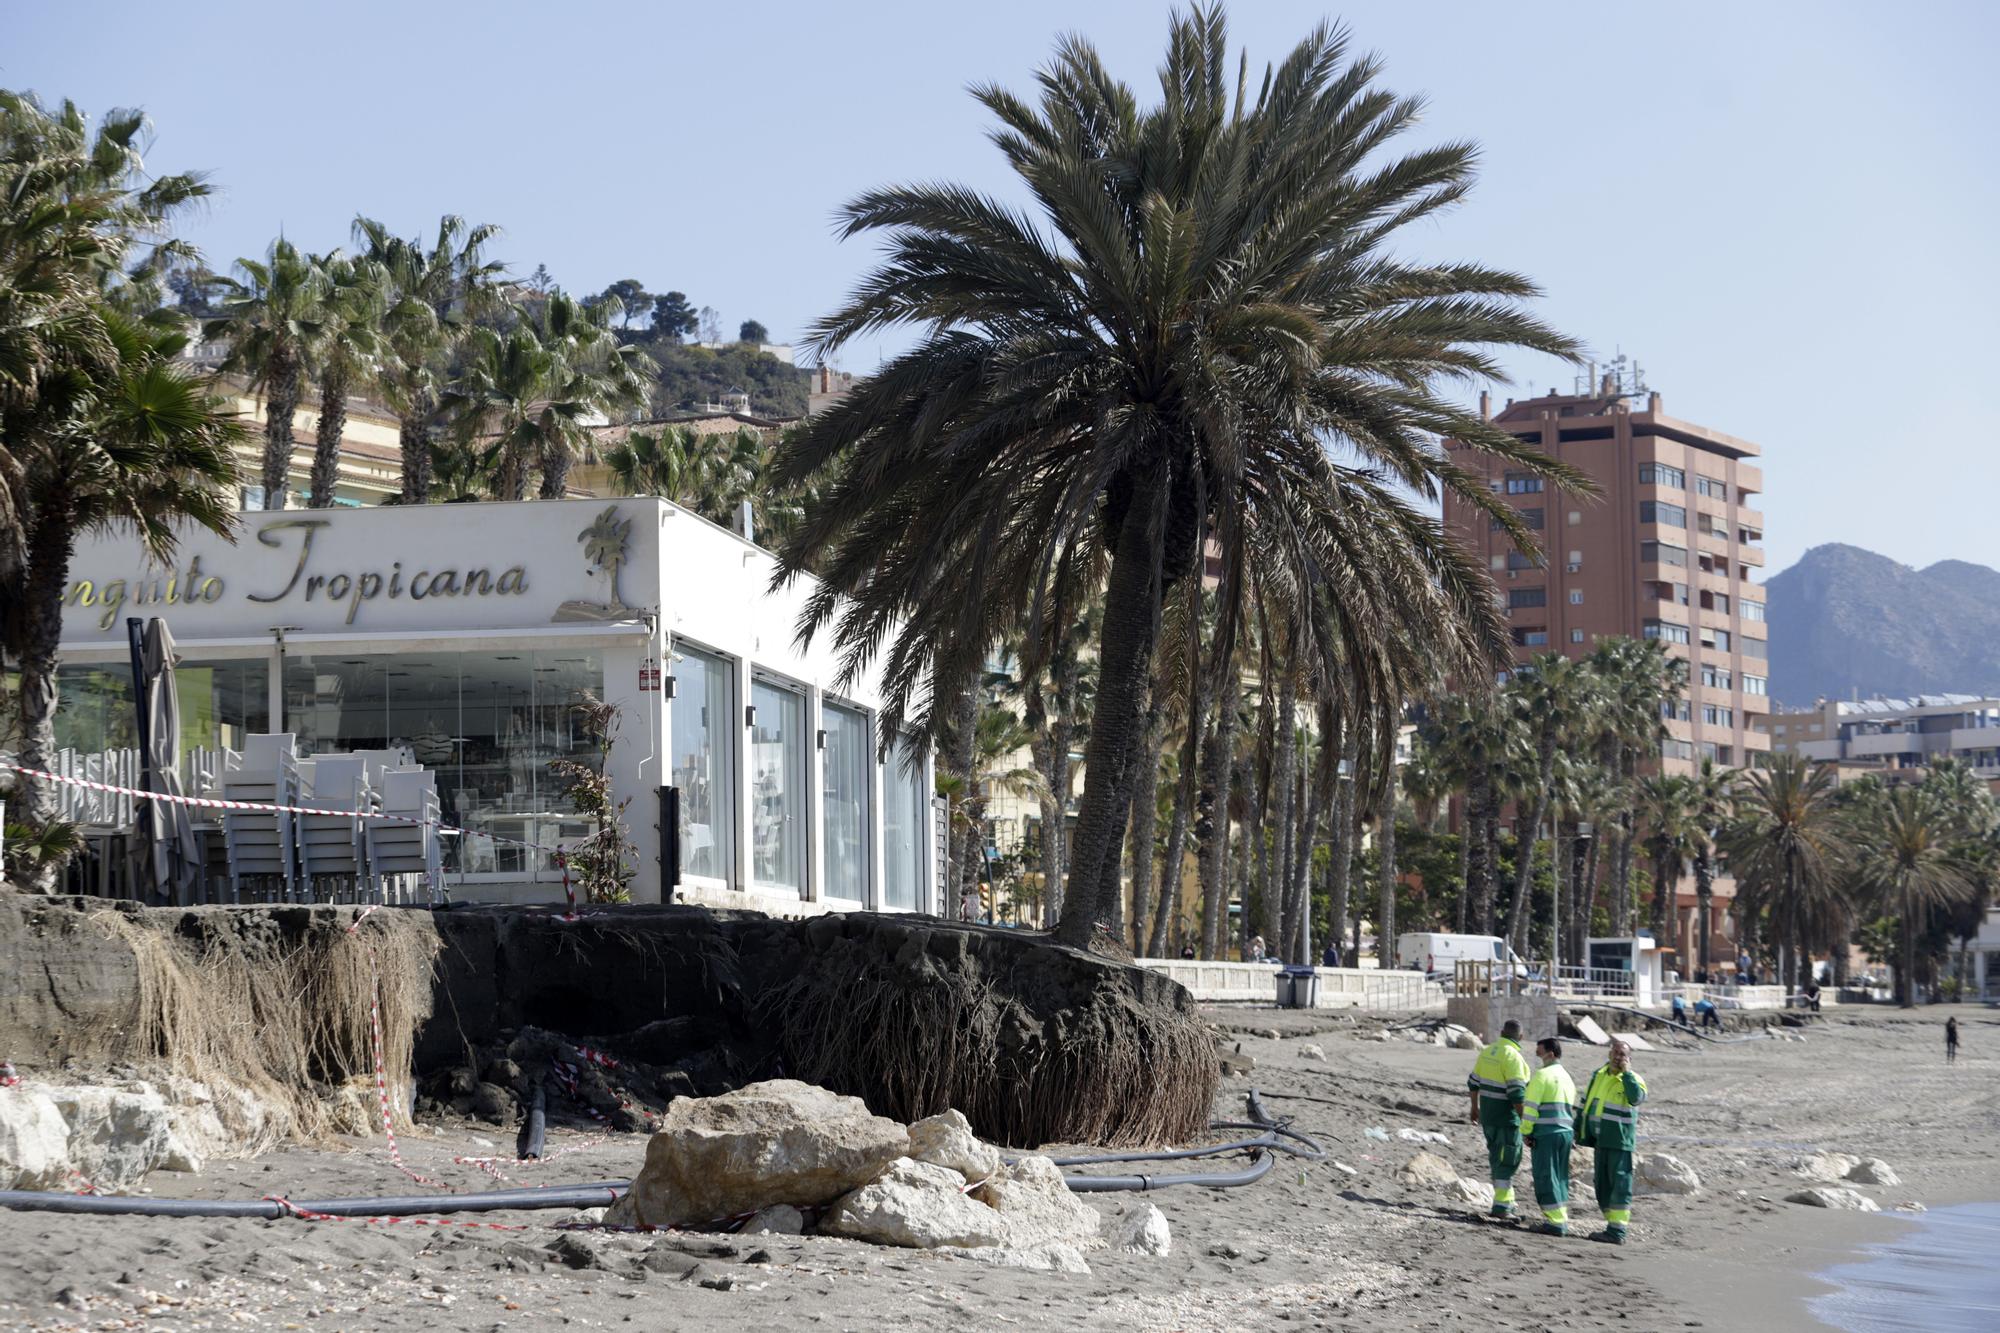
(1298, 988)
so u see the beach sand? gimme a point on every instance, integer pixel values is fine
(1303, 1248)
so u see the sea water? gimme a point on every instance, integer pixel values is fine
(1938, 1277)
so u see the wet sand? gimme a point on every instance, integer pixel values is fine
(1308, 1248)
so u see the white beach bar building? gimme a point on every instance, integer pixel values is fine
(466, 633)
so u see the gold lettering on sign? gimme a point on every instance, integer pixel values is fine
(264, 538)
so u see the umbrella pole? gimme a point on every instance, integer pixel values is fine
(143, 822)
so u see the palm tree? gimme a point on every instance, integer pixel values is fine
(271, 313)
(1638, 677)
(1666, 812)
(1710, 792)
(529, 397)
(432, 297)
(1909, 859)
(711, 475)
(342, 354)
(99, 425)
(1552, 696)
(1200, 335)
(1783, 846)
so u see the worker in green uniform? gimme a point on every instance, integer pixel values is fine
(1611, 1127)
(1499, 1087)
(1546, 1126)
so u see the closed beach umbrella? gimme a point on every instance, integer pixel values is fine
(166, 832)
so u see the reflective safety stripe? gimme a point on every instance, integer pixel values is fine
(1557, 1215)
(1617, 1217)
(1499, 1095)
(1621, 1113)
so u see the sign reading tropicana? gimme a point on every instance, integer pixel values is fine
(304, 580)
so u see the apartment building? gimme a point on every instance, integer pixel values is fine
(1895, 737)
(1670, 548)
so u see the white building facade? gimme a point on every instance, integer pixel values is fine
(468, 632)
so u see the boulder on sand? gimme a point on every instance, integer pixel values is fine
(1472, 1191)
(1425, 1169)
(769, 1143)
(34, 1140)
(1037, 1204)
(1826, 1166)
(947, 1140)
(918, 1205)
(1873, 1171)
(1825, 1196)
(1143, 1230)
(1663, 1173)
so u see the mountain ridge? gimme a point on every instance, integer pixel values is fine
(1847, 621)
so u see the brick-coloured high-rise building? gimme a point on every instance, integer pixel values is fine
(1669, 548)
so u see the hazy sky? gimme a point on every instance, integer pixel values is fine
(1785, 211)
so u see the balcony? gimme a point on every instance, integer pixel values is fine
(1885, 745)
(1750, 518)
(1751, 555)
(1820, 752)
(1749, 480)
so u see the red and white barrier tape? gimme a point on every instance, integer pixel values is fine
(308, 1215)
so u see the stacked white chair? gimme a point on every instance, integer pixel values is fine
(399, 848)
(260, 844)
(332, 846)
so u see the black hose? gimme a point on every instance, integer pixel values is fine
(1256, 1171)
(535, 1128)
(1261, 1148)
(559, 1196)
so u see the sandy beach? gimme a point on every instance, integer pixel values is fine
(1308, 1246)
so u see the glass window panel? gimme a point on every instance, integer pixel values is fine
(704, 709)
(778, 786)
(847, 809)
(905, 827)
(222, 701)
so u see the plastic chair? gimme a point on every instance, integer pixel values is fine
(396, 848)
(331, 846)
(262, 845)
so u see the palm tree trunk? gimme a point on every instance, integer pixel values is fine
(1284, 758)
(959, 764)
(49, 549)
(326, 440)
(1385, 870)
(1130, 632)
(279, 405)
(1298, 946)
(1906, 975)
(1145, 814)
(1055, 841)
(1482, 831)
(1342, 838)
(1524, 855)
(1704, 885)
(413, 439)
(1559, 866)
(1665, 880)
(1168, 898)
(1220, 767)
(1464, 861)
(555, 468)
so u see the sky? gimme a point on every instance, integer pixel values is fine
(1782, 210)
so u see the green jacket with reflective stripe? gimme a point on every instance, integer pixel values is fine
(1500, 1073)
(1611, 1109)
(1551, 1101)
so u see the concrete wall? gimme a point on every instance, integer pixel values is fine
(1339, 987)
(1485, 1014)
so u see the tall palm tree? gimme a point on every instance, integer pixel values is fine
(433, 296)
(709, 474)
(271, 313)
(1200, 334)
(1783, 845)
(1552, 696)
(343, 354)
(529, 396)
(1909, 859)
(100, 426)
(1710, 792)
(1666, 813)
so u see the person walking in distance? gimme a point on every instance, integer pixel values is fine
(1499, 1088)
(1611, 1127)
(1547, 1123)
(1951, 1041)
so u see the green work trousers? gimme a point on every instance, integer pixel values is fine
(1614, 1184)
(1549, 1165)
(1502, 1122)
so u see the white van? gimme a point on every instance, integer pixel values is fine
(1435, 953)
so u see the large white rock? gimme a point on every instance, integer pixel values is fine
(1828, 1196)
(1465, 1041)
(1312, 1050)
(777, 1142)
(1425, 1169)
(1142, 1229)
(1873, 1171)
(1472, 1191)
(1037, 1205)
(947, 1140)
(1826, 1166)
(1663, 1173)
(917, 1205)
(1053, 1257)
(34, 1140)
(116, 1135)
